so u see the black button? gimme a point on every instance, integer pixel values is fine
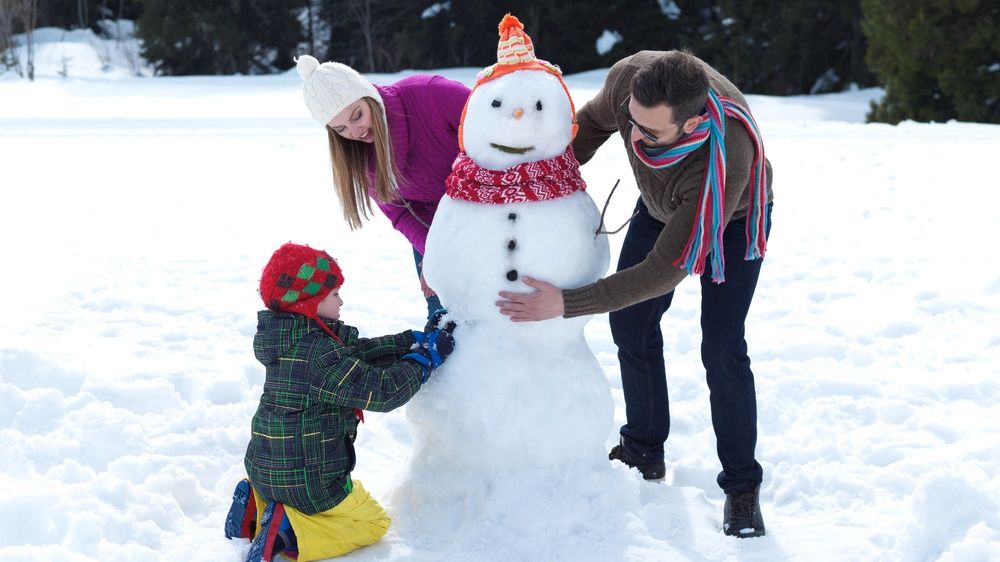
(512, 217)
(512, 275)
(511, 245)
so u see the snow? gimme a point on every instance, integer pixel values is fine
(670, 9)
(825, 82)
(435, 9)
(137, 215)
(80, 53)
(607, 41)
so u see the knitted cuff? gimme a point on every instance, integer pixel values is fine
(421, 356)
(578, 302)
(425, 364)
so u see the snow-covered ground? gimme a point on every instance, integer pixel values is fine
(138, 212)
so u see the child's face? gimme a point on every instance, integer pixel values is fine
(330, 306)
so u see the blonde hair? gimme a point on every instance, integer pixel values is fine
(349, 160)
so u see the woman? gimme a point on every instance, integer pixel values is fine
(394, 144)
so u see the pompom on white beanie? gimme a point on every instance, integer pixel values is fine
(330, 87)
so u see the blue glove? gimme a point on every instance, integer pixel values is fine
(440, 343)
(419, 337)
(431, 350)
(421, 358)
(434, 323)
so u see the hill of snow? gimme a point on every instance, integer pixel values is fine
(138, 213)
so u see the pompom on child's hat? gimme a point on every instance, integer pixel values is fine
(515, 51)
(330, 87)
(297, 278)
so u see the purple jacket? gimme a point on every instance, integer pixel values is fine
(423, 113)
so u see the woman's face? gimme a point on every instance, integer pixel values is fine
(354, 122)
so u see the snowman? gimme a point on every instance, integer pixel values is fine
(514, 398)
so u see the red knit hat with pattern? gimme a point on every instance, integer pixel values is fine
(297, 278)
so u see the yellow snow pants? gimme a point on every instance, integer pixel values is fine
(355, 522)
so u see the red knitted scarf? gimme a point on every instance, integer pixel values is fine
(532, 181)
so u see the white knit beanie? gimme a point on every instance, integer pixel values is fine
(330, 87)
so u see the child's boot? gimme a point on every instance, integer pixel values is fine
(241, 521)
(276, 536)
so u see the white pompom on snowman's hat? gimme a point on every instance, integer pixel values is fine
(515, 51)
(330, 87)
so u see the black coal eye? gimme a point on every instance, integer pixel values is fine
(538, 105)
(496, 103)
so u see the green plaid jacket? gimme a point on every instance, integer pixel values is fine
(301, 450)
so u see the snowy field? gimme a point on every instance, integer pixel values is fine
(138, 212)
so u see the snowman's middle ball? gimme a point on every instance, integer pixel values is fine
(520, 117)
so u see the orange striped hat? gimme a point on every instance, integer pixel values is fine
(515, 46)
(515, 51)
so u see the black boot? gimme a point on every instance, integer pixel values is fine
(650, 470)
(741, 517)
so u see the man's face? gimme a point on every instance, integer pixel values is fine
(652, 126)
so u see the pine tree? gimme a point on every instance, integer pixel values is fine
(937, 59)
(76, 14)
(236, 36)
(787, 46)
(372, 35)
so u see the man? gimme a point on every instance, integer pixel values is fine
(704, 208)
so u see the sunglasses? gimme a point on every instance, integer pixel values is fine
(628, 117)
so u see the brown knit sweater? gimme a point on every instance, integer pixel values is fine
(671, 194)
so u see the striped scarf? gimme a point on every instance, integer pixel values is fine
(706, 234)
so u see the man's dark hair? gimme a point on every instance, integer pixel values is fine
(676, 79)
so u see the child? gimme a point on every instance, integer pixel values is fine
(319, 377)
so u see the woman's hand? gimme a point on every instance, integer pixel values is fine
(428, 292)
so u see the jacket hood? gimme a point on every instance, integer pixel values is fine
(278, 332)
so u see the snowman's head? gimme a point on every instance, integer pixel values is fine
(519, 117)
(520, 109)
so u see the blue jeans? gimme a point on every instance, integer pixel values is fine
(724, 307)
(433, 303)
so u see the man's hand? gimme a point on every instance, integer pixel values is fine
(546, 302)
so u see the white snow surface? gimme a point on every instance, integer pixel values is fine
(80, 53)
(138, 213)
(607, 41)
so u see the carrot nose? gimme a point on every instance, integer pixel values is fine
(518, 113)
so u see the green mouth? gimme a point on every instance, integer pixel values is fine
(511, 149)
